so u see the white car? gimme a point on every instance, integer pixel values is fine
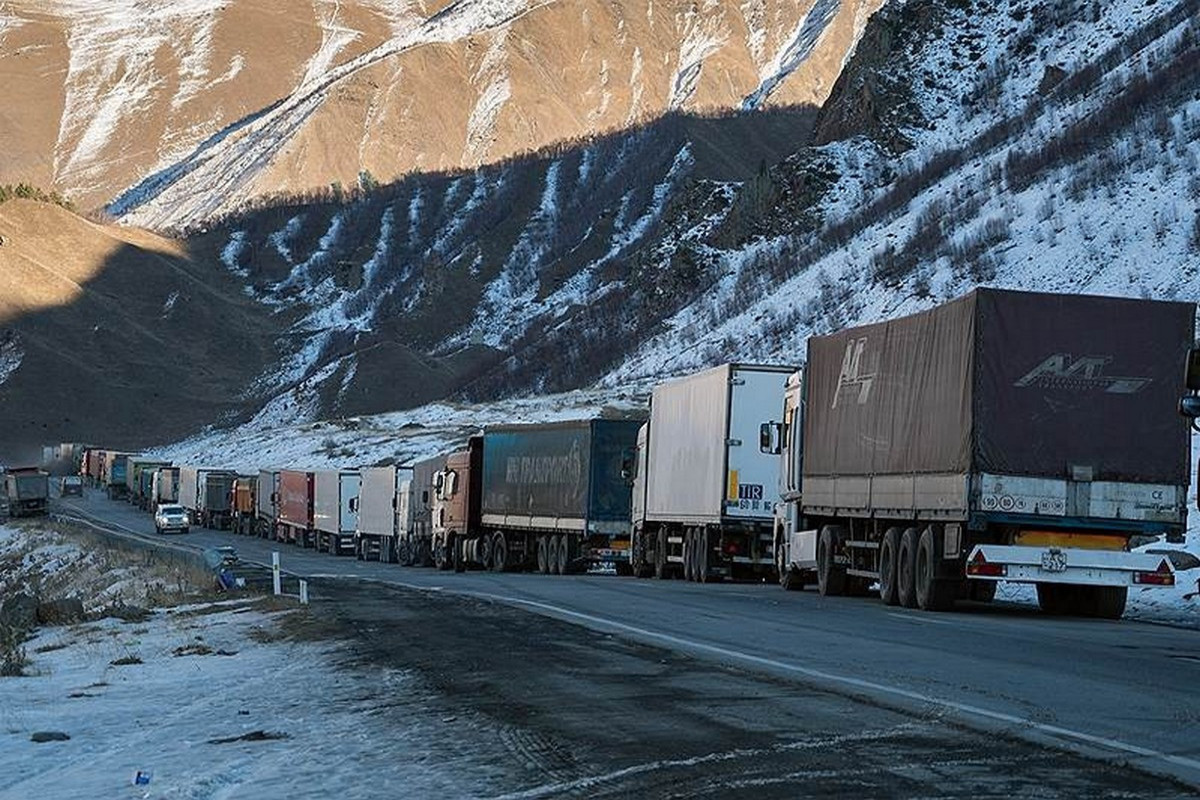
(171, 517)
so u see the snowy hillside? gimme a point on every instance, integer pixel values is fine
(169, 112)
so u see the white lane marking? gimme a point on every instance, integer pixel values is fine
(845, 680)
(926, 620)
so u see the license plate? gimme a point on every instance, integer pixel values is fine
(1054, 561)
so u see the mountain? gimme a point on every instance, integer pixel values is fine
(961, 142)
(166, 114)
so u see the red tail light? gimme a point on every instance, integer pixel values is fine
(731, 547)
(1163, 576)
(979, 566)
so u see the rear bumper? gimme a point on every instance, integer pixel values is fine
(1070, 566)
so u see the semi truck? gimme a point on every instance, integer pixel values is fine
(335, 510)
(267, 502)
(205, 493)
(1004, 435)
(550, 497)
(245, 504)
(114, 470)
(164, 485)
(294, 523)
(415, 513)
(27, 491)
(139, 472)
(378, 503)
(703, 490)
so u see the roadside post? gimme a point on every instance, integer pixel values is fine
(303, 593)
(276, 577)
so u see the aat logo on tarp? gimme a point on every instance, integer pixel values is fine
(856, 378)
(1084, 374)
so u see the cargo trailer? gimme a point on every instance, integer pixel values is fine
(138, 475)
(115, 474)
(703, 492)
(295, 521)
(335, 510)
(266, 498)
(378, 512)
(245, 504)
(549, 497)
(164, 485)
(414, 512)
(215, 499)
(27, 492)
(1005, 435)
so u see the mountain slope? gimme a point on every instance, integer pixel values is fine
(168, 113)
(116, 335)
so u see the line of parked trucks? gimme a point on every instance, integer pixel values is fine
(1001, 436)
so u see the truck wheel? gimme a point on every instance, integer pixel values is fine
(906, 568)
(831, 578)
(789, 579)
(687, 554)
(637, 555)
(483, 551)
(1105, 602)
(552, 555)
(499, 552)
(458, 557)
(660, 555)
(889, 591)
(932, 594)
(441, 558)
(1053, 598)
(564, 555)
(543, 557)
(703, 555)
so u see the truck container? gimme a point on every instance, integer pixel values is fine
(138, 474)
(295, 521)
(1005, 435)
(114, 474)
(245, 504)
(414, 513)
(215, 500)
(27, 491)
(703, 491)
(378, 515)
(267, 502)
(335, 510)
(551, 497)
(165, 485)
(90, 468)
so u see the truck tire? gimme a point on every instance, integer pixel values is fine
(660, 555)
(457, 556)
(499, 552)
(1054, 598)
(889, 548)
(906, 568)
(441, 558)
(831, 577)
(552, 555)
(703, 555)
(932, 594)
(687, 555)
(543, 556)
(637, 556)
(789, 579)
(564, 554)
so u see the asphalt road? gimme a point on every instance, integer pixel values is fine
(1121, 691)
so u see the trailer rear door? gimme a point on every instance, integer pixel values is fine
(751, 476)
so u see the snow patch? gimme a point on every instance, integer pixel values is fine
(11, 356)
(797, 50)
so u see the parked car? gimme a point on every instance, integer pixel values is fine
(171, 517)
(70, 486)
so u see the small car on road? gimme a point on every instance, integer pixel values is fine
(171, 517)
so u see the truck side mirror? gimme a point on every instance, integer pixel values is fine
(769, 438)
(628, 465)
(1189, 406)
(1192, 375)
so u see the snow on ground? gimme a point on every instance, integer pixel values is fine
(162, 715)
(11, 356)
(401, 437)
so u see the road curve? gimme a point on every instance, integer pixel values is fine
(1123, 691)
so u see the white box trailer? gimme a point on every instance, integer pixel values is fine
(267, 501)
(703, 490)
(378, 506)
(335, 510)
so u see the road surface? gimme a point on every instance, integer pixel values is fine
(1123, 692)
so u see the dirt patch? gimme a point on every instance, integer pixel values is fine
(566, 711)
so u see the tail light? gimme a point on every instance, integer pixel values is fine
(979, 565)
(1163, 576)
(731, 547)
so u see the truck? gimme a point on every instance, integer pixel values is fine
(138, 474)
(551, 497)
(378, 523)
(703, 491)
(1016, 436)
(164, 485)
(335, 510)
(267, 502)
(27, 491)
(415, 513)
(215, 499)
(114, 469)
(245, 505)
(294, 523)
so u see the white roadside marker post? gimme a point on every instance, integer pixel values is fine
(275, 574)
(303, 593)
